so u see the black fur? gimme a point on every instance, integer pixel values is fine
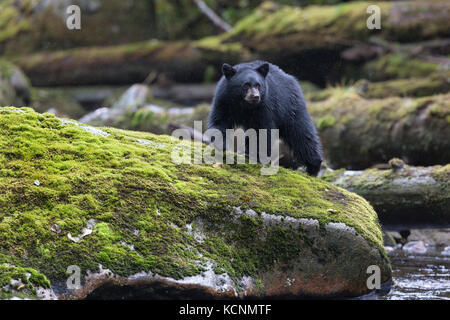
(282, 106)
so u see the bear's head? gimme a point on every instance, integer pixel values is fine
(246, 85)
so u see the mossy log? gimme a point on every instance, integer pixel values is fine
(357, 133)
(28, 26)
(436, 83)
(403, 66)
(181, 61)
(277, 29)
(114, 202)
(34, 25)
(403, 195)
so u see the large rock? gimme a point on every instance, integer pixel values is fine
(112, 202)
(14, 85)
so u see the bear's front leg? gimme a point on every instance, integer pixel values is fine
(304, 142)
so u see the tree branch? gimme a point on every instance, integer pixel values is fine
(212, 16)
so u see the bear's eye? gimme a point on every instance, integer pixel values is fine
(257, 86)
(247, 86)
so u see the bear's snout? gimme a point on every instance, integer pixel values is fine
(253, 95)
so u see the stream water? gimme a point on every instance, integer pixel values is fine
(422, 275)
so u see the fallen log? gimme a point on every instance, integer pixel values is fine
(180, 61)
(402, 195)
(357, 133)
(438, 82)
(274, 28)
(403, 66)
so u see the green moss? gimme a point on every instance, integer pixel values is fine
(412, 87)
(398, 66)
(443, 175)
(325, 122)
(27, 280)
(141, 202)
(274, 28)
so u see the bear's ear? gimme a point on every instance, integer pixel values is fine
(228, 71)
(263, 69)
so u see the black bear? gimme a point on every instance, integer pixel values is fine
(259, 95)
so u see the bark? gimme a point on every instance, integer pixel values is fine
(212, 16)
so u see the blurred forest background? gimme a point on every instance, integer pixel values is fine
(371, 93)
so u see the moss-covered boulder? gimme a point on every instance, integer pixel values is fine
(14, 85)
(113, 202)
(23, 283)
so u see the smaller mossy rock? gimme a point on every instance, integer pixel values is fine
(23, 283)
(113, 202)
(403, 196)
(14, 85)
(388, 239)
